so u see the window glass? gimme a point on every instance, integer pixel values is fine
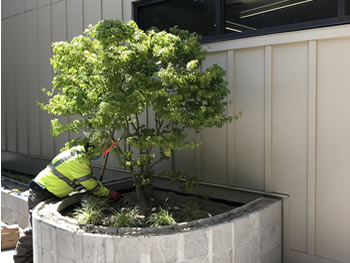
(250, 15)
(193, 15)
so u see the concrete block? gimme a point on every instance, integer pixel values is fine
(23, 206)
(164, 249)
(64, 260)
(13, 202)
(4, 198)
(5, 214)
(22, 220)
(78, 247)
(46, 236)
(54, 239)
(109, 250)
(37, 253)
(271, 216)
(198, 260)
(65, 244)
(255, 222)
(242, 253)
(271, 239)
(222, 237)
(255, 250)
(132, 249)
(222, 257)
(196, 244)
(274, 256)
(37, 231)
(8, 216)
(93, 248)
(47, 256)
(242, 230)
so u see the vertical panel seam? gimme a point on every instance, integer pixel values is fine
(101, 11)
(37, 73)
(51, 69)
(311, 158)
(268, 119)
(83, 14)
(4, 101)
(15, 87)
(25, 74)
(198, 153)
(122, 11)
(230, 178)
(67, 37)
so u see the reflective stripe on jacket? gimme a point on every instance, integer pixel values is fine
(68, 170)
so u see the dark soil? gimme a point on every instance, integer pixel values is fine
(174, 202)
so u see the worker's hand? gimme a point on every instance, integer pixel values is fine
(114, 195)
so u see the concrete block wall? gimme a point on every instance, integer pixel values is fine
(250, 237)
(14, 208)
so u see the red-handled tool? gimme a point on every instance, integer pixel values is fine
(109, 149)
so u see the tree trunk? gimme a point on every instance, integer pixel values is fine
(141, 198)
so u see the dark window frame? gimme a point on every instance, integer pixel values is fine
(342, 18)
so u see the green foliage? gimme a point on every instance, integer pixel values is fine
(192, 210)
(20, 177)
(162, 218)
(92, 211)
(127, 217)
(108, 79)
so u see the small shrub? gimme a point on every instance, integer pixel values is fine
(92, 211)
(127, 218)
(162, 218)
(192, 210)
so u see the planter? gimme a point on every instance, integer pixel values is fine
(250, 233)
(14, 205)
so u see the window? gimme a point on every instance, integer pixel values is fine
(228, 19)
(193, 15)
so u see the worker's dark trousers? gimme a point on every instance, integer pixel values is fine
(24, 248)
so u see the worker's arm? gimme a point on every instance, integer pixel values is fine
(95, 187)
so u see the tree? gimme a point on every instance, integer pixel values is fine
(105, 79)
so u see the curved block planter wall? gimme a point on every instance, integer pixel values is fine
(14, 208)
(251, 233)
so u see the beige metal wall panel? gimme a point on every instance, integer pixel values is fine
(29, 5)
(8, 82)
(185, 160)
(164, 166)
(333, 150)
(58, 26)
(112, 9)
(6, 8)
(58, 21)
(289, 133)
(3, 91)
(17, 7)
(92, 12)
(249, 129)
(214, 148)
(3, 117)
(74, 18)
(41, 3)
(20, 85)
(31, 80)
(128, 10)
(44, 78)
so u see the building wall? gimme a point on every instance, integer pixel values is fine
(292, 139)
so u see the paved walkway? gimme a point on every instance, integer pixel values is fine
(6, 255)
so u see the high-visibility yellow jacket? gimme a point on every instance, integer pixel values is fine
(68, 170)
